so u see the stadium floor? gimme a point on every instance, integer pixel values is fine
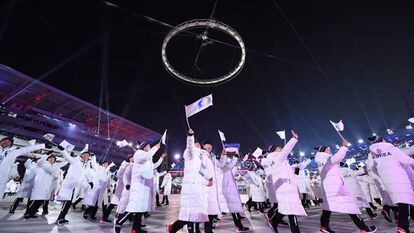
(164, 215)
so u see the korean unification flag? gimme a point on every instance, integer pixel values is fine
(282, 134)
(338, 126)
(49, 137)
(199, 105)
(67, 146)
(257, 152)
(164, 138)
(222, 137)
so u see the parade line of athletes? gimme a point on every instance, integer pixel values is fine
(209, 188)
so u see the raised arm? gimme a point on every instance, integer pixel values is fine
(190, 148)
(67, 156)
(21, 151)
(304, 164)
(339, 156)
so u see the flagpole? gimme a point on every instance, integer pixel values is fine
(340, 135)
(186, 118)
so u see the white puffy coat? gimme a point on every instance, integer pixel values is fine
(126, 179)
(365, 181)
(25, 190)
(101, 182)
(287, 194)
(256, 187)
(119, 183)
(7, 158)
(388, 161)
(45, 173)
(77, 171)
(166, 184)
(267, 164)
(373, 173)
(336, 195)
(316, 187)
(193, 204)
(142, 182)
(301, 178)
(212, 170)
(351, 181)
(231, 198)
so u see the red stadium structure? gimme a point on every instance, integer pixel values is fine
(30, 108)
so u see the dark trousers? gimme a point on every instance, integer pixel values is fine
(137, 222)
(369, 212)
(34, 206)
(16, 203)
(293, 222)
(65, 209)
(304, 198)
(165, 200)
(326, 215)
(108, 211)
(208, 226)
(403, 215)
(191, 226)
(237, 220)
(272, 211)
(77, 202)
(46, 206)
(157, 199)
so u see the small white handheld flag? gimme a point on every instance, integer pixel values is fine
(338, 126)
(199, 105)
(282, 134)
(85, 149)
(164, 137)
(257, 152)
(49, 137)
(222, 137)
(122, 143)
(32, 142)
(67, 146)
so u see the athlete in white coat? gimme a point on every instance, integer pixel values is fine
(336, 195)
(231, 197)
(388, 161)
(212, 171)
(96, 195)
(123, 201)
(193, 200)
(45, 173)
(299, 170)
(140, 198)
(8, 155)
(351, 181)
(75, 174)
(287, 194)
(166, 186)
(25, 190)
(117, 193)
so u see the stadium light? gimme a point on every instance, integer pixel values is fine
(374, 134)
(302, 153)
(177, 156)
(408, 127)
(389, 131)
(360, 141)
(337, 146)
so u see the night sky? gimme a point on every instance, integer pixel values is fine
(365, 48)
